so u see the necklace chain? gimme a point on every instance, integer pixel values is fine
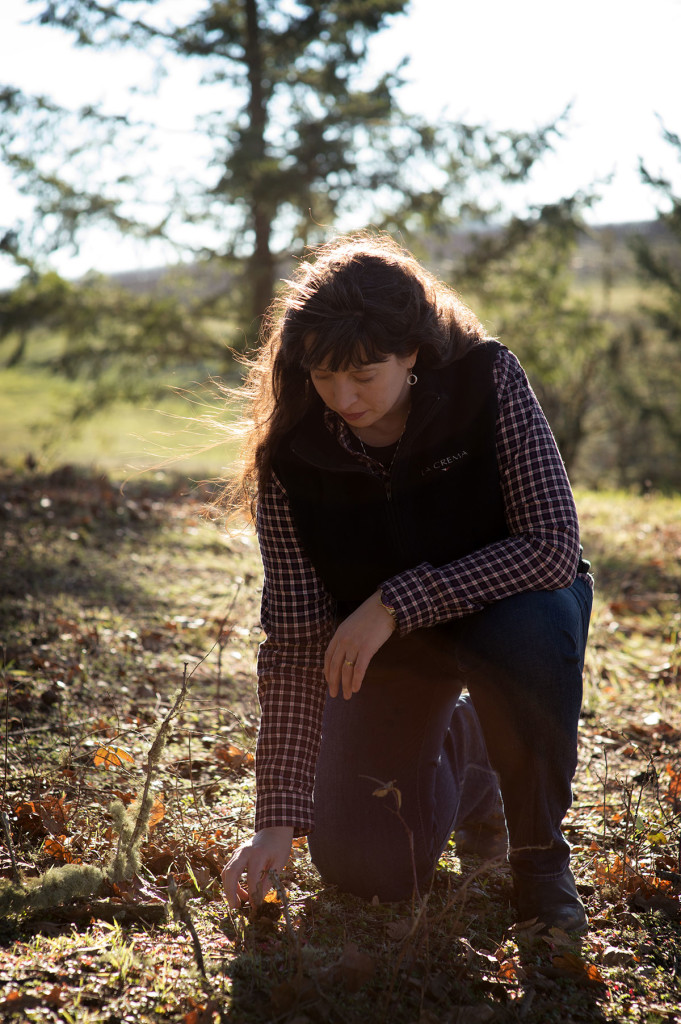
(397, 448)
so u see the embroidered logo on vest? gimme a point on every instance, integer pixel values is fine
(442, 465)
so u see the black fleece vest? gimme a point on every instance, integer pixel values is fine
(442, 501)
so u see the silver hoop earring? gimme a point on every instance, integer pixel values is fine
(411, 379)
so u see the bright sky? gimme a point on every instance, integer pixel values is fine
(510, 63)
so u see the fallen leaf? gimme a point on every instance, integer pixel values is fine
(126, 798)
(157, 813)
(112, 757)
(615, 957)
(674, 792)
(56, 847)
(355, 968)
(234, 756)
(287, 994)
(508, 971)
(202, 1014)
(570, 965)
(669, 906)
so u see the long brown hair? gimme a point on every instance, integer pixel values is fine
(357, 299)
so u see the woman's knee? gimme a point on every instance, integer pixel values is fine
(365, 848)
(369, 865)
(536, 630)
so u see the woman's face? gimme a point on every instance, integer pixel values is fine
(370, 395)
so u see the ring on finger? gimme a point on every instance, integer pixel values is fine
(350, 663)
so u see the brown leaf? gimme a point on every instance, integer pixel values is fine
(354, 967)
(125, 798)
(15, 1002)
(615, 957)
(508, 970)
(44, 817)
(56, 847)
(288, 994)
(570, 965)
(157, 859)
(233, 756)
(202, 876)
(202, 1014)
(157, 813)
(669, 906)
(28, 819)
(674, 792)
(53, 813)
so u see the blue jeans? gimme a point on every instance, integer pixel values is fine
(455, 758)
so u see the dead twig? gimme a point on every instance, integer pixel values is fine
(181, 913)
(16, 874)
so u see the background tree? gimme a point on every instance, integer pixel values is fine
(521, 281)
(646, 356)
(300, 144)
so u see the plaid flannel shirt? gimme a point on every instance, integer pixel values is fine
(541, 553)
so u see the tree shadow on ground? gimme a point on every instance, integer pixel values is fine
(354, 961)
(68, 534)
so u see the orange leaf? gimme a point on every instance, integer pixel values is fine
(57, 849)
(126, 798)
(508, 970)
(233, 756)
(572, 966)
(674, 792)
(157, 812)
(112, 757)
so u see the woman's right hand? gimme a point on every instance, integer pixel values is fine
(268, 850)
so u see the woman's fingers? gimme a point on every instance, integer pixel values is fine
(354, 644)
(339, 663)
(268, 849)
(347, 675)
(358, 672)
(231, 875)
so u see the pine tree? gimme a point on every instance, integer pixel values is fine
(647, 356)
(301, 143)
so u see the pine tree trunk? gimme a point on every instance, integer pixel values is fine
(261, 264)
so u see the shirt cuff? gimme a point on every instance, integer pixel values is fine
(277, 808)
(419, 602)
(412, 607)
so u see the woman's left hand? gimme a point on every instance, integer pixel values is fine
(354, 644)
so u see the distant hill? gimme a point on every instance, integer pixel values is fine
(600, 247)
(608, 246)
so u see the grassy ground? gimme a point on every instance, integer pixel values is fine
(109, 599)
(122, 439)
